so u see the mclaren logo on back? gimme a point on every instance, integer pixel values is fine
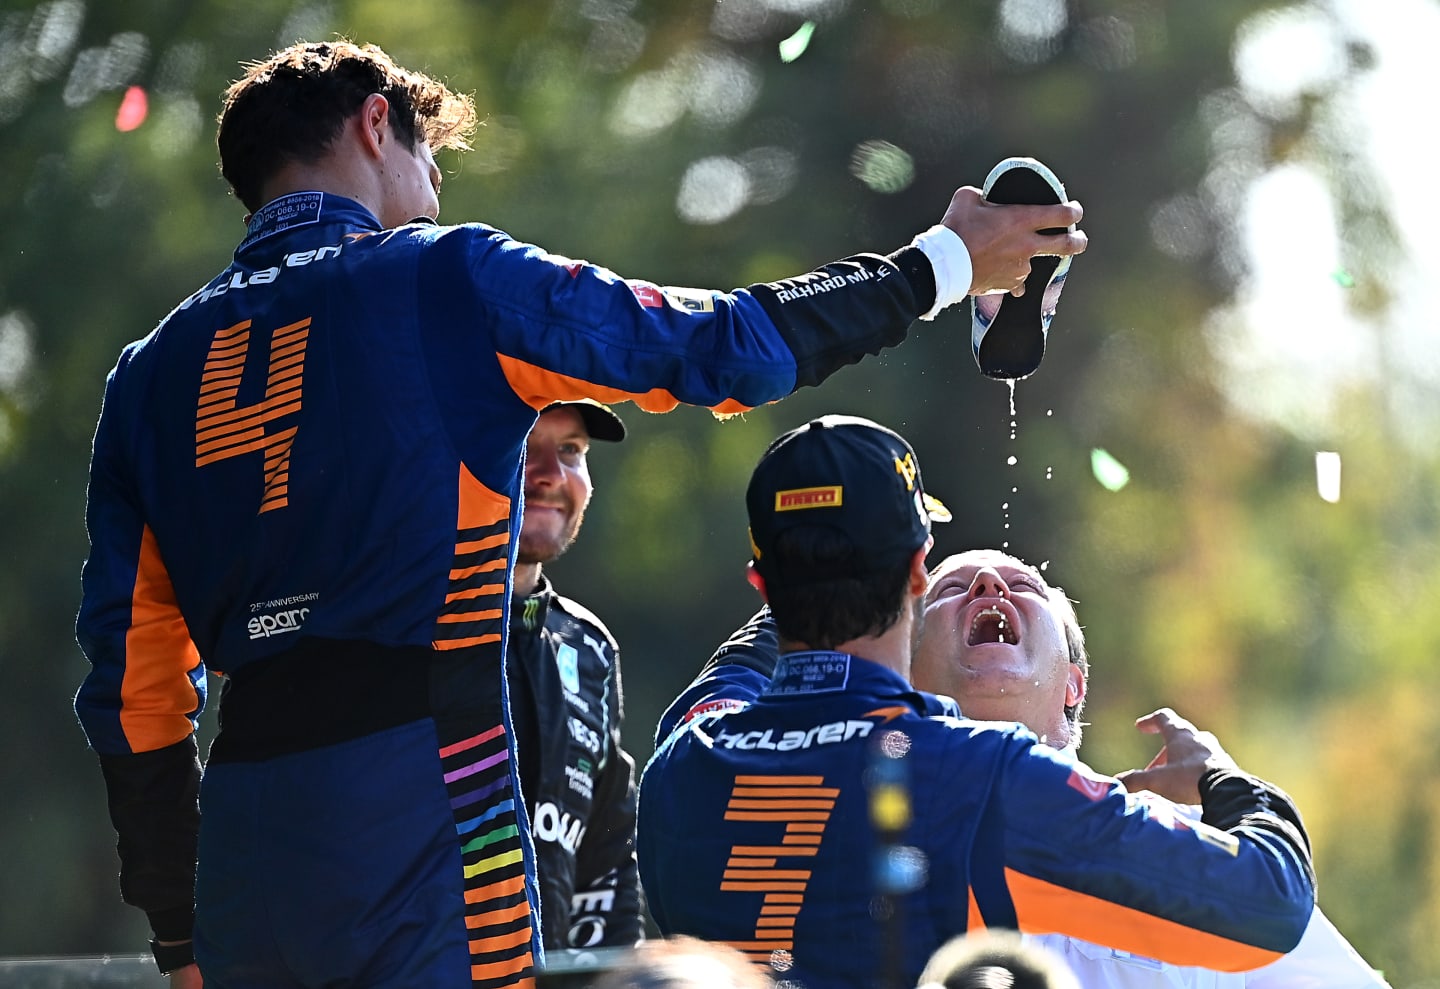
(803, 738)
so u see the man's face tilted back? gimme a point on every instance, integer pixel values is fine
(995, 641)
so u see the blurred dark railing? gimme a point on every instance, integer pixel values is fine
(77, 971)
(564, 970)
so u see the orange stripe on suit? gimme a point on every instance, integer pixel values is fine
(157, 648)
(1045, 908)
(538, 387)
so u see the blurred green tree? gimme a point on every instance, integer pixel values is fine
(672, 141)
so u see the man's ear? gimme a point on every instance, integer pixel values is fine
(374, 123)
(1074, 686)
(756, 581)
(919, 575)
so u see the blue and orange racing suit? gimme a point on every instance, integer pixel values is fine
(768, 819)
(307, 479)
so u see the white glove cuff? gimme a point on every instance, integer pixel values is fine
(950, 260)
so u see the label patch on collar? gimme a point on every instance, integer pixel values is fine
(810, 673)
(295, 210)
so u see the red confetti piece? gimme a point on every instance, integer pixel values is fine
(133, 109)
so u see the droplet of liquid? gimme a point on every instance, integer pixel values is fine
(1049, 473)
(1012, 461)
(1045, 565)
(1006, 505)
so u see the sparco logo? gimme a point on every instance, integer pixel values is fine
(264, 626)
(551, 825)
(827, 734)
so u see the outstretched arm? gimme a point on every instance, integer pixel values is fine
(1232, 892)
(617, 339)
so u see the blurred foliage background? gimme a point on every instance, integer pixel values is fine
(1253, 294)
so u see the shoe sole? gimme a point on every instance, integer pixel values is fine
(1011, 336)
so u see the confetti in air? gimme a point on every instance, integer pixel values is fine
(794, 46)
(1111, 473)
(883, 167)
(1327, 475)
(133, 109)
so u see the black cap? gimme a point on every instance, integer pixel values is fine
(601, 422)
(851, 475)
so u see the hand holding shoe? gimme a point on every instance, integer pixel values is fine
(1003, 238)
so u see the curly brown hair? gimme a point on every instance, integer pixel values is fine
(292, 106)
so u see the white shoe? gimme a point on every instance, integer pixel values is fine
(1008, 333)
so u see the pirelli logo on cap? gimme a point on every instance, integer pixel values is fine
(831, 496)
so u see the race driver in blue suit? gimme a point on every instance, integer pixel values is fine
(308, 479)
(1006, 645)
(843, 825)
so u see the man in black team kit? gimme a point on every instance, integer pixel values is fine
(564, 676)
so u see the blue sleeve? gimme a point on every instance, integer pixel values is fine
(564, 329)
(146, 686)
(145, 690)
(1085, 858)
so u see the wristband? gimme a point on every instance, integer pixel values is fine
(951, 261)
(169, 957)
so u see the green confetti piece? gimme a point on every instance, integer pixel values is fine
(1343, 278)
(1110, 472)
(882, 166)
(794, 46)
